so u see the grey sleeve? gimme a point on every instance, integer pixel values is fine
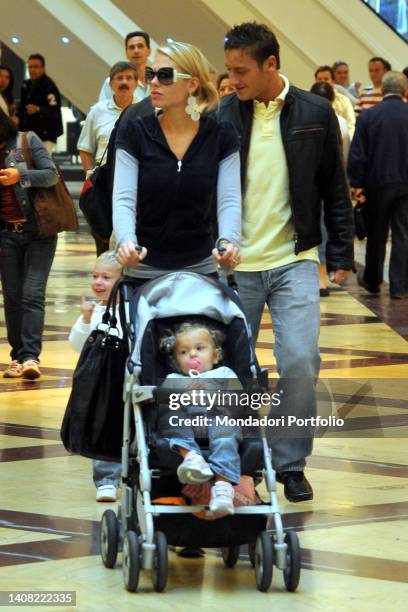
(125, 196)
(43, 173)
(229, 209)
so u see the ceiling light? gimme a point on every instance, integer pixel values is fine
(169, 39)
(65, 40)
(15, 40)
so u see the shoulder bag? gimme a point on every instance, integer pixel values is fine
(93, 421)
(54, 208)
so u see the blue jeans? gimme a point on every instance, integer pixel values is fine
(223, 457)
(106, 473)
(25, 264)
(291, 293)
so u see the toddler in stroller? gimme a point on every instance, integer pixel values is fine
(195, 349)
(152, 513)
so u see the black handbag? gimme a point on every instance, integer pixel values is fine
(95, 201)
(93, 420)
(359, 221)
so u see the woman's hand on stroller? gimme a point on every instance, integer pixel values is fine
(227, 255)
(130, 254)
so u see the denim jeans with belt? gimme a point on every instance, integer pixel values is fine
(291, 293)
(25, 264)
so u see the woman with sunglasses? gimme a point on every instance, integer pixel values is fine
(177, 175)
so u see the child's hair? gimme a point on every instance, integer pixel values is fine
(167, 342)
(109, 258)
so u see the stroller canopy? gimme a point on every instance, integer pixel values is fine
(183, 294)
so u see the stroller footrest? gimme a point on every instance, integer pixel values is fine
(168, 509)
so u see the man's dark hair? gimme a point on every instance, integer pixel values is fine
(120, 67)
(8, 92)
(138, 33)
(254, 38)
(7, 128)
(385, 63)
(325, 69)
(37, 56)
(339, 63)
(325, 90)
(405, 71)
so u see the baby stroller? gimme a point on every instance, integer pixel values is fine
(143, 528)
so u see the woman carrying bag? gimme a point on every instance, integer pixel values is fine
(25, 256)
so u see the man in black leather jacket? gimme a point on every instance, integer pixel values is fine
(291, 162)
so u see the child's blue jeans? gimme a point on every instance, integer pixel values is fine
(224, 441)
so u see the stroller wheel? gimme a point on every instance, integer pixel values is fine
(160, 567)
(291, 574)
(230, 555)
(109, 538)
(251, 553)
(264, 558)
(131, 561)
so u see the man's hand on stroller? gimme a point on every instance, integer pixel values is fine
(227, 254)
(130, 254)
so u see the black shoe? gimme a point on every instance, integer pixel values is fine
(399, 296)
(324, 292)
(191, 552)
(296, 486)
(362, 283)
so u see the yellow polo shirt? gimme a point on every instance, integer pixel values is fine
(267, 228)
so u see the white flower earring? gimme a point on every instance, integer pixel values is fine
(192, 108)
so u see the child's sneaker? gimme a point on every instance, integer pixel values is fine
(31, 371)
(14, 370)
(194, 469)
(222, 497)
(106, 493)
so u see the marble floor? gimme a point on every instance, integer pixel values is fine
(354, 534)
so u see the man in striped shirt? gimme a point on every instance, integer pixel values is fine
(372, 94)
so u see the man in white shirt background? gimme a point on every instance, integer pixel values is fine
(103, 115)
(101, 120)
(137, 46)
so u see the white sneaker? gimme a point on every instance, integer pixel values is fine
(222, 497)
(194, 469)
(106, 493)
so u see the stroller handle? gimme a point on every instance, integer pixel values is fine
(229, 273)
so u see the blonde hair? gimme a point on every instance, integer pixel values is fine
(192, 61)
(167, 342)
(109, 258)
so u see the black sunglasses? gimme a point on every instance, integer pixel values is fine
(165, 76)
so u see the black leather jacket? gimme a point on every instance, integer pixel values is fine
(311, 139)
